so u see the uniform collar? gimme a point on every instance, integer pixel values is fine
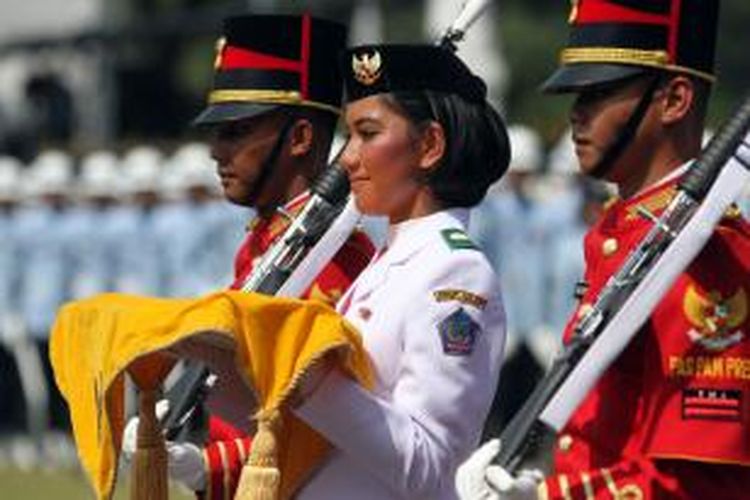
(653, 198)
(264, 230)
(406, 238)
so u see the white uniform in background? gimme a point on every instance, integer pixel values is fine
(430, 313)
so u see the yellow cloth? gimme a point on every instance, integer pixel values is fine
(94, 341)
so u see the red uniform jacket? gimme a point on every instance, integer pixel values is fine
(228, 448)
(671, 417)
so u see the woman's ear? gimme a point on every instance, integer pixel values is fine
(432, 146)
(301, 138)
(679, 99)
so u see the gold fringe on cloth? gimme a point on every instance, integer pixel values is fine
(275, 341)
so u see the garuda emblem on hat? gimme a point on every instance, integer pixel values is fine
(715, 319)
(366, 67)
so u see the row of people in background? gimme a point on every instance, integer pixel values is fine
(531, 226)
(149, 224)
(141, 223)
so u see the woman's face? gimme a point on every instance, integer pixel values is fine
(384, 158)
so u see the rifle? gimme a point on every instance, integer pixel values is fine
(712, 183)
(297, 249)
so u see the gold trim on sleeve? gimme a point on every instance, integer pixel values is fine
(225, 468)
(542, 491)
(241, 450)
(564, 483)
(611, 485)
(207, 468)
(587, 487)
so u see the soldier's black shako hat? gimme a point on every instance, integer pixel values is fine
(614, 39)
(379, 69)
(264, 61)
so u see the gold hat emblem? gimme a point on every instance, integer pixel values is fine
(221, 43)
(366, 67)
(715, 319)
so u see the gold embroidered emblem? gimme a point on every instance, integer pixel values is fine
(653, 204)
(221, 44)
(462, 296)
(367, 67)
(715, 319)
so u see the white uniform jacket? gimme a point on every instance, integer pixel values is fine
(430, 313)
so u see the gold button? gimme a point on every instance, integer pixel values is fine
(565, 442)
(733, 212)
(609, 246)
(584, 309)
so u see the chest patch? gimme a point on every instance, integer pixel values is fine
(715, 320)
(711, 404)
(458, 333)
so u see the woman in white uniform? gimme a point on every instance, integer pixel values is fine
(423, 147)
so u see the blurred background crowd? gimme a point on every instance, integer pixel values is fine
(105, 187)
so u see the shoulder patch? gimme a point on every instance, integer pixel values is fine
(462, 296)
(458, 333)
(457, 239)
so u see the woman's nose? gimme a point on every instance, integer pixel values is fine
(347, 157)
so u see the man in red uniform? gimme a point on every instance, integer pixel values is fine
(671, 417)
(271, 118)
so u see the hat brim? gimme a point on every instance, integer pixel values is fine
(224, 112)
(583, 76)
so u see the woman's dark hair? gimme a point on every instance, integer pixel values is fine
(477, 146)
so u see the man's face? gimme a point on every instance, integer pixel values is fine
(240, 148)
(597, 118)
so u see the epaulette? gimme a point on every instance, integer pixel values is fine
(457, 239)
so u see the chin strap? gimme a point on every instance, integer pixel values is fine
(270, 161)
(627, 132)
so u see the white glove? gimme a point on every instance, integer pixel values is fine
(185, 460)
(478, 479)
(130, 434)
(186, 465)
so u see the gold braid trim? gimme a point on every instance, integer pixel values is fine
(587, 487)
(542, 491)
(225, 468)
(292, 97)
(564, 483)
(207, 469)
(637, 57)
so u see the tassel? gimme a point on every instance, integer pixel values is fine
(261, 478)
(149, 467)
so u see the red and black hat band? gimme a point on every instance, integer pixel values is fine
(659, 7)
(256, 79)
(636, 36)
